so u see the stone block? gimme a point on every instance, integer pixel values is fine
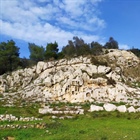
(109, 107)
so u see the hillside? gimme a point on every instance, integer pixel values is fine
(112, 77)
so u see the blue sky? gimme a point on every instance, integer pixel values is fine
(45, 21)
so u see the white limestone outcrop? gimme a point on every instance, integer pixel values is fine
(74, 80)
(123, 58)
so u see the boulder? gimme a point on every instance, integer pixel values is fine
(131, 109)
(138, 109)
(81, 111)
(54, 117)
(45, 110)
(122, 108)
(69, 117)
(95, 108)
(109, 107)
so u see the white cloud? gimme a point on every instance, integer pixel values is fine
(124, 46)
(74, 7)
(44, 21)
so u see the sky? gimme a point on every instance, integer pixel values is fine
(47, 21)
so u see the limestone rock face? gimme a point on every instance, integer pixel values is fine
(73, 80)
(103, 69)
(124, 58)
(48, 82)
(39, 67)
(3, 84)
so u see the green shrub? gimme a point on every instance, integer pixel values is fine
(97, 62)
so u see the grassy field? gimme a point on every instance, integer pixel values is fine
(91, 126)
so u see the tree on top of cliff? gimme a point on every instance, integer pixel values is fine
(111, 44)
(36, 52)
(9, 56)
(51, 51)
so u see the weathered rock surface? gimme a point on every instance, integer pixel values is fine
(131, 109)
(123, 58)
(109, 107)
(95, 108)
(75, 80)
(138, 109)
(10, 117)
(122, 108)
(67, 110)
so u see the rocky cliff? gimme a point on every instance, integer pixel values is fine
(112, 77)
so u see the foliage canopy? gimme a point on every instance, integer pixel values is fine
(9, 56)
(9, 52)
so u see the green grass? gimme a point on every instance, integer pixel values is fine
(26, 111)
(83, 128)
(91, 126)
